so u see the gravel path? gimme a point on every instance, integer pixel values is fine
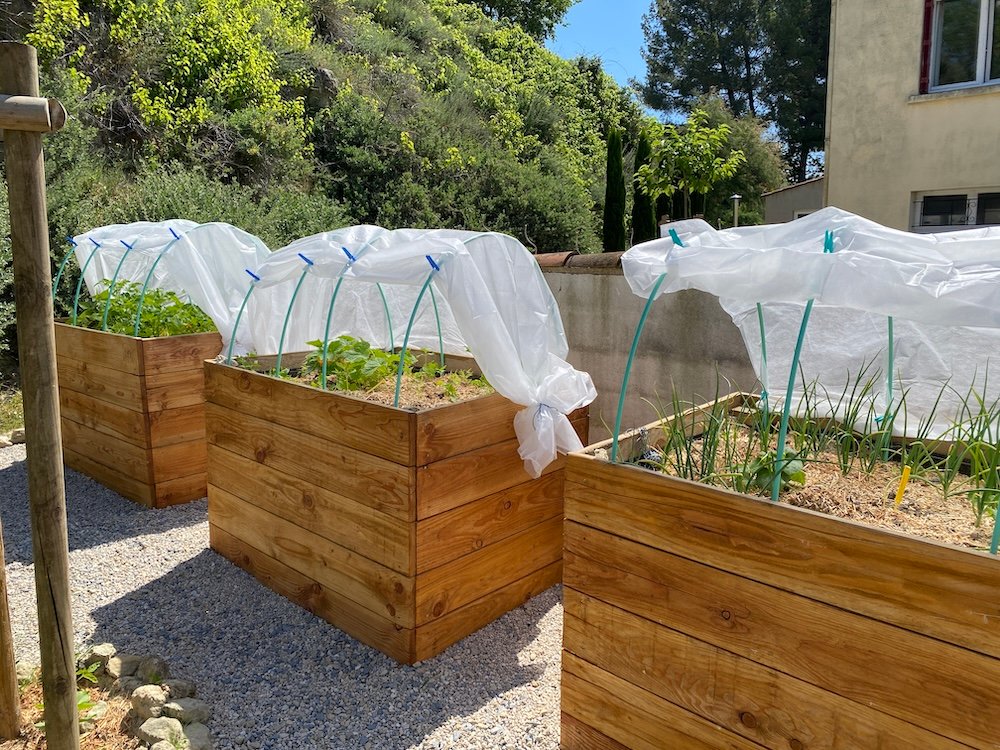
(276, 676)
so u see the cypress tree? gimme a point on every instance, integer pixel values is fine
(614, 196)
(644, 227)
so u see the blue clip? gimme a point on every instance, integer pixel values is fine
(71, 241)
(763, 395)
(676, 237)
(252, 275)
(96, 243)
(305, 259)
(879, 420)
(348, 254)
(828, 241)
(434, 265)
(126, 244)
(176, 236)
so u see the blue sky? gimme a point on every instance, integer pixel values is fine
(610, 29)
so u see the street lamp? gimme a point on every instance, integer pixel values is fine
(735, 198)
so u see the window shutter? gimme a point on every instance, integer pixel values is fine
(925, 47)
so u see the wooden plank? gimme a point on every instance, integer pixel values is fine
(179, 490)
(370, 628)
(173, 390)
(635, 717)
(107, 418)
(377, 536)
(452, 482)
(179, 425)
(761, 704)
(368, 584)
(109, 350)
(946, 592)
(434, 637)
(450, 586)
(114, 453)
(480, 523)
(125, 485)
(102, 383)
(458, 428)
(575, 735)
(373, 481)
(934, 685)
(173, 353)
(179, 460)
(372, 428)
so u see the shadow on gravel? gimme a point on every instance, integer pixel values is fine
(95, 514)
(279, 677)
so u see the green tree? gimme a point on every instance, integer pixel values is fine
(697, 46)
(614, 196)
(689, 159)
(538, 17)
(644, 225)
(795, 68)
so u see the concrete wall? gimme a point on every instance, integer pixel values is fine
(886, 142)
(782, 205)
(687, 339)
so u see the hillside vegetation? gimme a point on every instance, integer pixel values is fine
(288, 117)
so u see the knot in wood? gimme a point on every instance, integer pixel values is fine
(507, 504)
(438, 609)
(260, 454)
(308, 501)
(748, 720)
(478, 544)
(795, 744)
(726, 614)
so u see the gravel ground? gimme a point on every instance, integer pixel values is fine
(276, 676)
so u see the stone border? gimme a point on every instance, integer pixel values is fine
(171, 717)
(15, 437)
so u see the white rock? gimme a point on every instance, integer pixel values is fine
(5, 441)
(188, 710)
(17, 436)
(148, 701)
(123, 665)
(198, 736)
(156, 730)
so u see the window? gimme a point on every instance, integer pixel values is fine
(944, 211)
(935, 213)
(966, 43)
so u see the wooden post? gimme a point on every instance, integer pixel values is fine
(36, 337)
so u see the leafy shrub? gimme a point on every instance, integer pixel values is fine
(163, 312)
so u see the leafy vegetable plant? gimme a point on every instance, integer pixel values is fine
(163, 312)
(352, 364)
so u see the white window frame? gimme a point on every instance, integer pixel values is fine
(984, 48)
(972, 209)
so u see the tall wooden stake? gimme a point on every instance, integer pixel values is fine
(36, 344)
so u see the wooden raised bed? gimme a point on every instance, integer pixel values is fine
(407, 530)
(696, 617)
(133, 411)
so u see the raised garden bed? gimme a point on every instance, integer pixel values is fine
(699, 617)
(407, 529)
(133, 413)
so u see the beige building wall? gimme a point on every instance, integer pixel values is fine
(886, 143)
(792, 202)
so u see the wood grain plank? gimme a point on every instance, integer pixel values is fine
(370, 585)
(125, 485)
(173, 353)
(105, 384)
(176, 389)
(179, 425)
(180, 490)
(372, 428)
(575, 735)
(179, 460)
(761, 704)
(450, 586)
(947, 592)
(360, 623)
(635, 717)
(479, 523)
(109, 350)
(375, 535)
(104, 417)
(371, 480)
(916, 679)
(112, 452)
(434, 637)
